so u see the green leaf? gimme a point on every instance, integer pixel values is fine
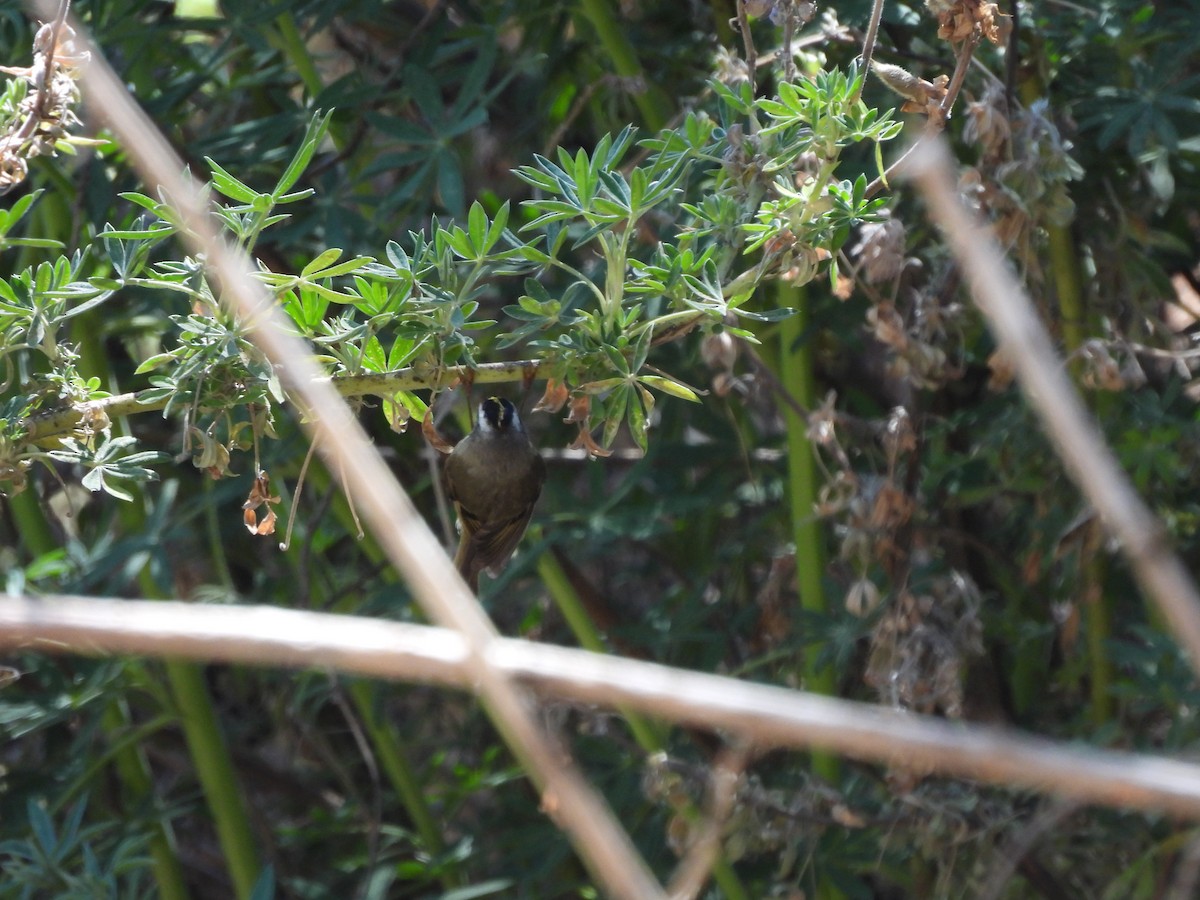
(397, 257)
(153, 362)
(639, 416)
(414, 404)
(477, 228)
(615, 408)
(641, 349)
(602, 386)
(618, 360)
(43, 828)
(450, 182)
(499, 223)
(230, 186)
(10, 217)
(459, 241)
(326, 258)
(767, 315)
(95, 481)
(668, 386)
(373, 357)
(343, 268)
(402, 351)
(317, 128)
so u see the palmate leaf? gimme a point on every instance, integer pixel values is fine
(106, 463)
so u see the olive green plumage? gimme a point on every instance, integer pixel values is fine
(494, 476)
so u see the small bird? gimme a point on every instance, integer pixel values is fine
(494, 476)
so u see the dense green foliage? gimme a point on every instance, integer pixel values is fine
(767, 348)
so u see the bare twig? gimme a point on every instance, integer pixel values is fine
(1079, 442)
(965, 55)
(45, 115)
(761, 715)
(789, 53)
(1187, 872)
(868, 50)
(694, 869)
(1024, 841)
(743, 21)
(937, 121)
(598, 838)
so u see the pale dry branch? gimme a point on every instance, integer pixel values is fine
(868, 48)
(598, 838)
(693, 870)
(1040, 371)
(762, 716)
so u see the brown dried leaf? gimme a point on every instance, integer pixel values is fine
(1067, 617)
(213, 456)
(585, 441)
(775, 604)
(260, 495)
(893, 508)
(1002, 370)
(887, 326)
(723, 384)
(846, 817)
(432, 436)
(960, 21)
(581, 410)
(555, 397)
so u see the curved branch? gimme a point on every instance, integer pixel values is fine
(764, 715)
(94, 415)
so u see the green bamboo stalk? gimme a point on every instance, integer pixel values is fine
(33, 530)
(1098, 614)
(566, 598)
(796, 373)
(296, 51)
(652, 102)
(133, 769)
(214, 768)
(202, 731)
(649, 738)
(1072, 309)
(131, 765)
(393, 759)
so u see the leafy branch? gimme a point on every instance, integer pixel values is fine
(601, 290)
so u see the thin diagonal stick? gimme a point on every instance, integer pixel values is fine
(1010, 312)
(598, 839)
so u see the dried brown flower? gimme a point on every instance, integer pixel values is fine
(554, 398)
(961, 19)
(260, 495)
(45, 115)
(880, 250)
